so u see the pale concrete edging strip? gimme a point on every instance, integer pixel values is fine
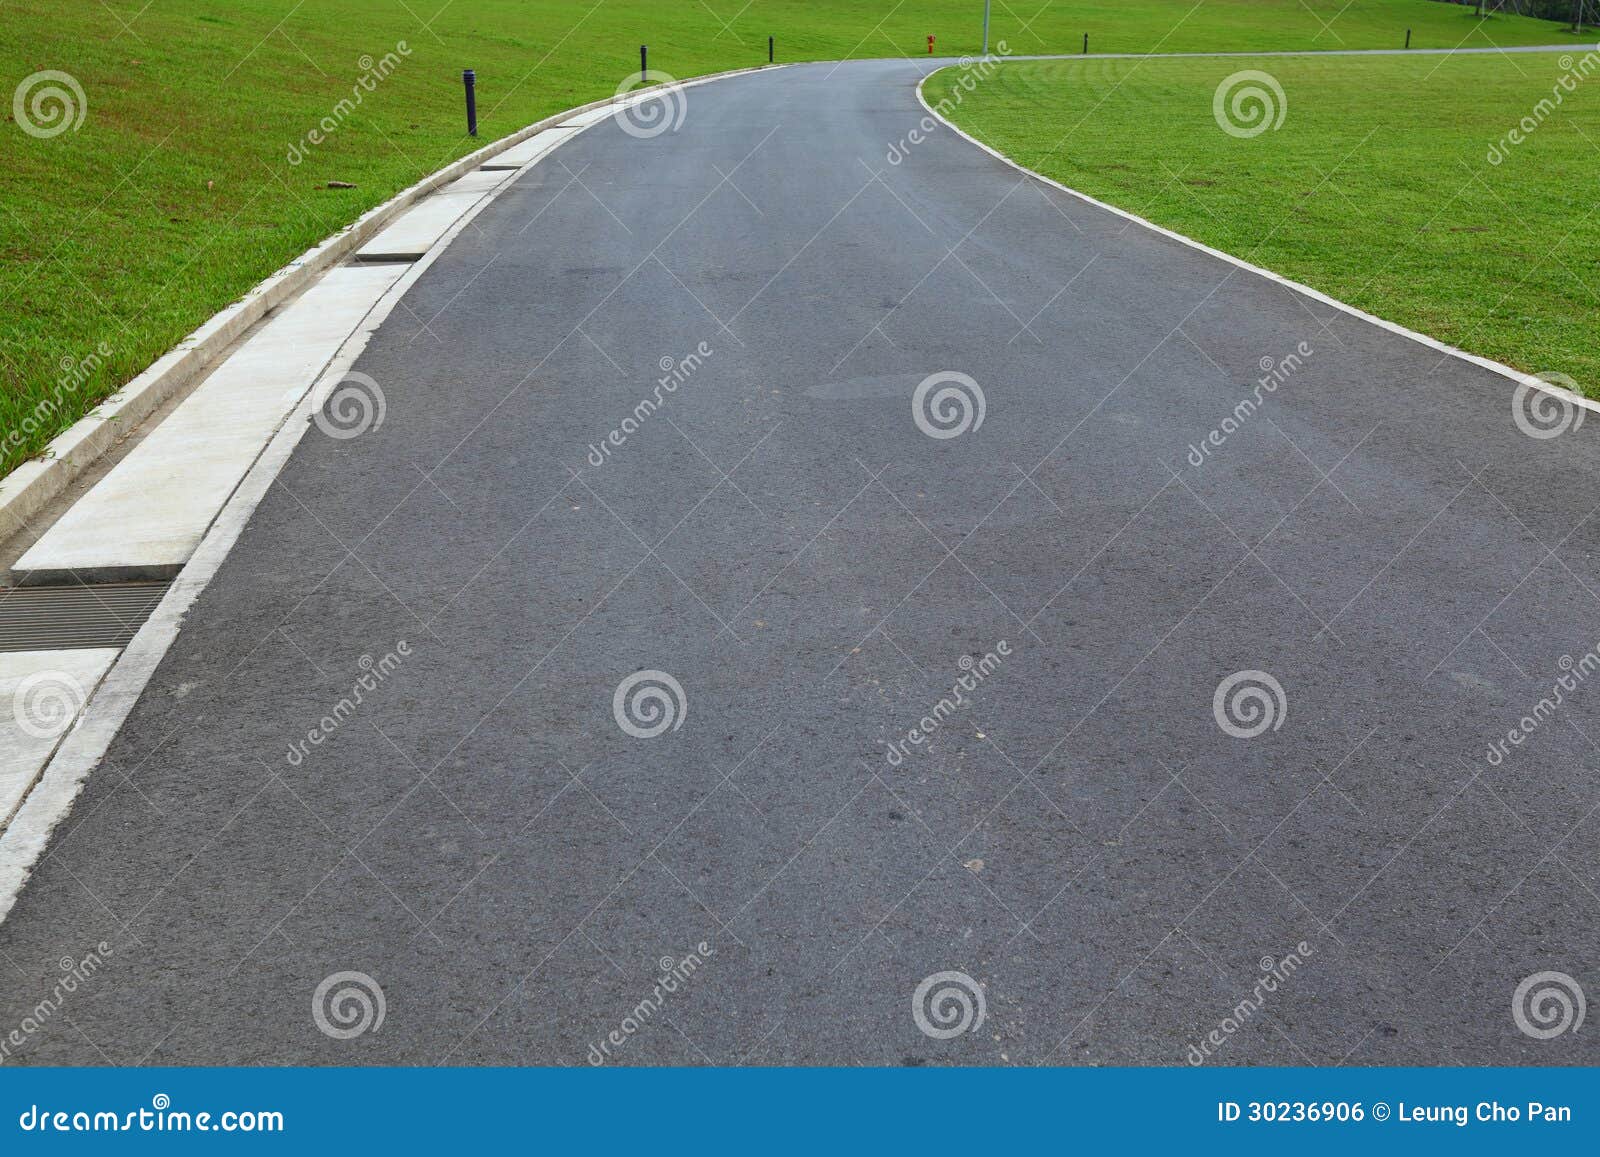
(31, 486)
(146, 516)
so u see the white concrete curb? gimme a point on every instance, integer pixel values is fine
(31, 486)
(1566, 396)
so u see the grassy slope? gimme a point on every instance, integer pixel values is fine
(175, 197)
(1376, 189)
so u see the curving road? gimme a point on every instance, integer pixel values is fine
(1081, 836)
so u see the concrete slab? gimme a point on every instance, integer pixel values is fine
(145, 517)
(419, 227)
(415, 232)
(593, 117)
(531, 149)
(41, 694)
(477, 181)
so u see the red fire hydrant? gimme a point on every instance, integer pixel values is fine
(930, 46)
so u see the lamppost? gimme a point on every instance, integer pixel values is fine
(986, 27)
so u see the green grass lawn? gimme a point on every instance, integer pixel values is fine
(1376, 189)
(175, 195)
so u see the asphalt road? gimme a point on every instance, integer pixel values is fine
(1081, 836)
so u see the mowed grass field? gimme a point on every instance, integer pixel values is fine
(175, 195)
(1377, 189)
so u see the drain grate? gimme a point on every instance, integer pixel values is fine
(61, 617)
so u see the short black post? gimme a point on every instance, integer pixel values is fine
(469, 79)
(1086, 44)
(643, 71)
(769, 50)
(1408, 38)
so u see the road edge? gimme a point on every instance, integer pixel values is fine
(24, 840)
(1566, 396)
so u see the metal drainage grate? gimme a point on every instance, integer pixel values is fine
(60, 617)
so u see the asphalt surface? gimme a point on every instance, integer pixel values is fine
(1497, 50)
(1080, 837)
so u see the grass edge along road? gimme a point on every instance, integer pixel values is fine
(180, 179)
(1437, 193)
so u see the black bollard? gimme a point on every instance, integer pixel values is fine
(769, 50)
(1086, 44)
(469, 80)
(643, 71)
